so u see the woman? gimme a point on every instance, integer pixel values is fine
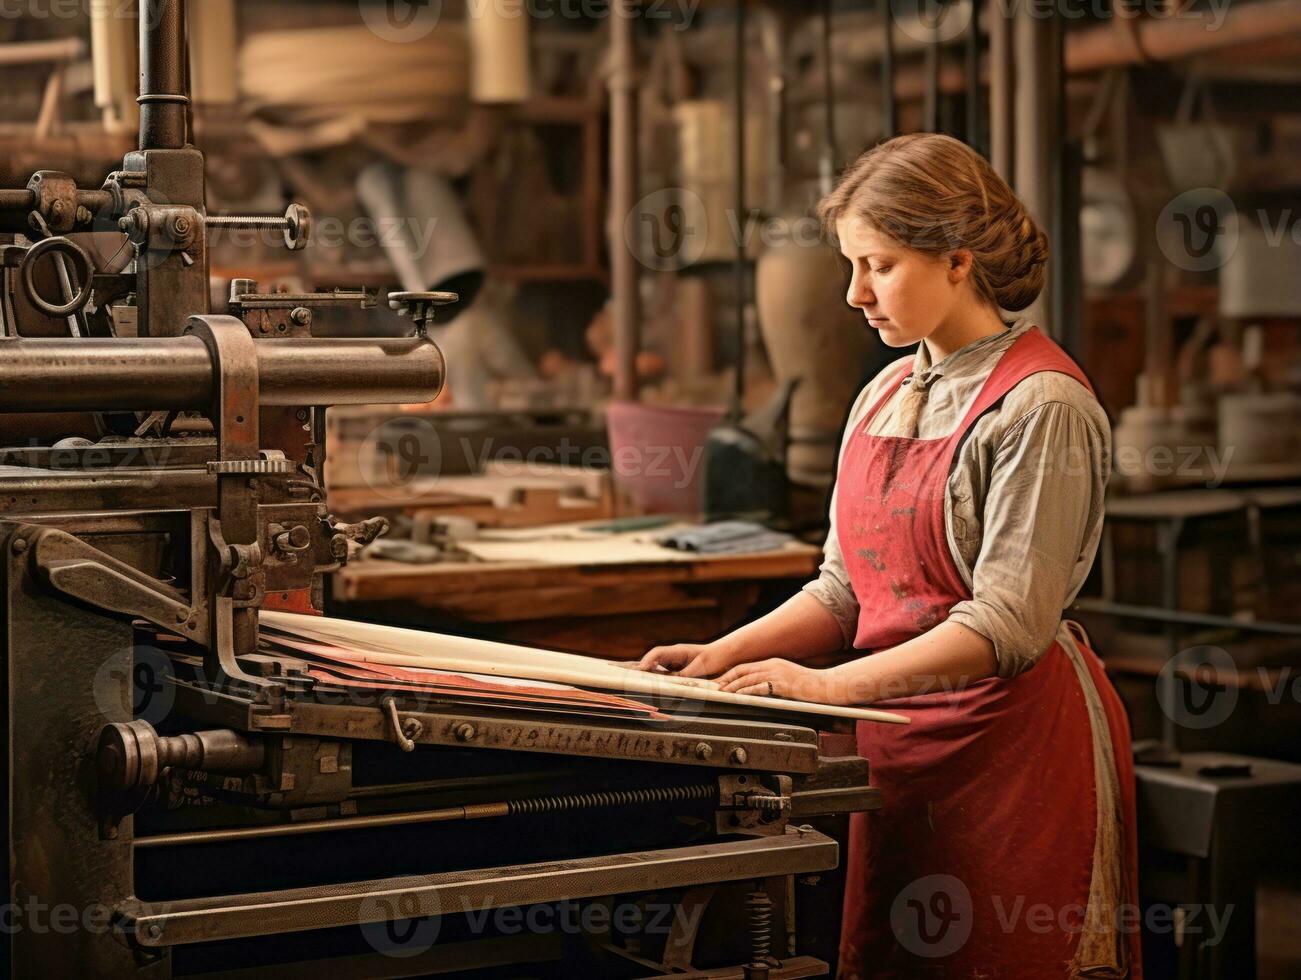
(966, 514)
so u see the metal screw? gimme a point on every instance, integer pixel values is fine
(739, 756)
(704, 750)
(301, 315)
(296, 224)
(465, 731)
(155, 931)
(20, 545)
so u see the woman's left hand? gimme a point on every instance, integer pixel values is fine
(779, 679)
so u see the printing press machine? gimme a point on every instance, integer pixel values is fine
(185, 798)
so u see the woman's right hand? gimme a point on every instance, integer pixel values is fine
(687, 659)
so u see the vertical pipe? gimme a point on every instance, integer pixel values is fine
(1037, 154)
(623, 198)
(164, 96)
(829, 101)
(1067, 259)
(889, 115)
(971, 67)
(738, 263)
(1001, 82)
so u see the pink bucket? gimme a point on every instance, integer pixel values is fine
(657, 454)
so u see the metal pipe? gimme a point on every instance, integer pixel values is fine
(471, 811)
(1001, 81)
(1037, 46)
(971, 68)
(889, 116)
(1157, 614)
(623, 198)
(739, 261)
(164, 95)
(147, 374)
(22, 200)
(35, 52)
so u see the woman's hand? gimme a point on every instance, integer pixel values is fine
(782, 679)
(687, 659)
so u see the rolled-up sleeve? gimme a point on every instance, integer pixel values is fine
(1041, 513)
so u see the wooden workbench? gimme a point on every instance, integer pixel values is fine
(611, 597)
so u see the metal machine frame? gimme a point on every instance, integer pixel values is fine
(232, 817)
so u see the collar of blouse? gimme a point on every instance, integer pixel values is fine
(965, 361)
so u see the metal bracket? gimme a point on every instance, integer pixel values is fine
(76, 569)
(233, 531)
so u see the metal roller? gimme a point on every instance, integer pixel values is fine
(150, 374)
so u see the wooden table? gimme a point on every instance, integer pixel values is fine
(600, 597)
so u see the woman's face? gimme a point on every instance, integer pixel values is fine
(904, 294)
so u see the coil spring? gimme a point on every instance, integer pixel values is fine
(759, 907)
(619, 797)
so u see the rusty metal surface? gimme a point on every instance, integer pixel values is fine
(647, 742)
(68, 673)
(139, 374)
(71, 566)
(163, 90)
(230, 916)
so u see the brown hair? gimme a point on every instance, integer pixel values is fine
(935, 194)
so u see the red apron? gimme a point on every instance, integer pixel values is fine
(981, 861)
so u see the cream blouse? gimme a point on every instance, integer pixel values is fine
(1024, 501)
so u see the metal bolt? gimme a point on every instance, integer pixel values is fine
(465, 731)
(182, 615)
(301, 315)
(181, 225)
(83, 216)
(296, 224)
(155, 931)
(704, 750)
(20, 545)
(738, 756)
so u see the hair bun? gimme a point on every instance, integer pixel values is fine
(1016, 271)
